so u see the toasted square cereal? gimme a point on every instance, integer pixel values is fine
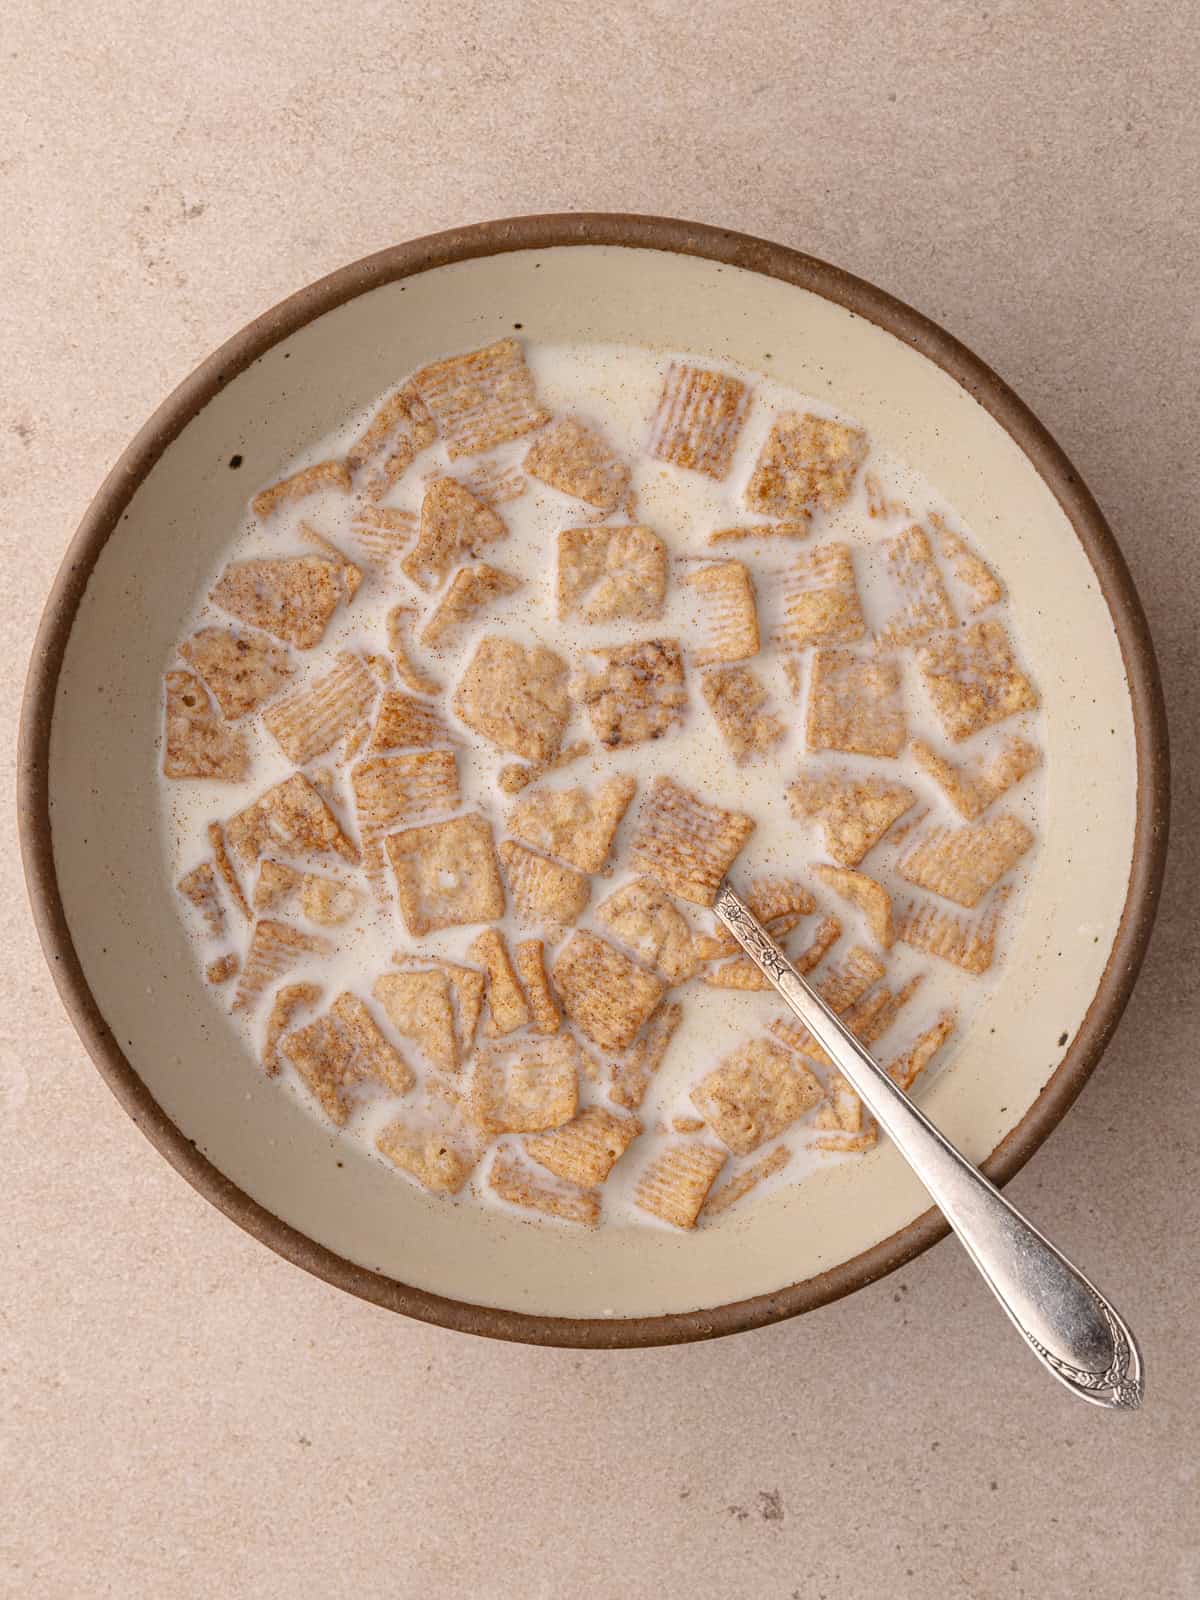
(309, 480)
(879, 500)
(607, 572)
(221, 969)
(481, 399)
(289, 999)
(290, 597)
(675, 1185)
(241, 670)
(740, 1185)
(389, 790)
(290, 816)
(521, 1185)
(639, 693)
(576, 825)
(454, 524)
(471, 589)
(847, 1143)
(275, 947)
(578, 460)
(728, 616)
(399, 623)
(807, 461)
(736, 699)
(643, 916)
(418, 1007)
(962, 864)
(494, 484)
(381, 534)
(778, 903)
(530, 962)
(757, 1091)
(275, 884)
(516, 697)
(972, 791)
(196, 743)
(543, 891)
(441, 1159)
(585, 1150)
(526, 1087)
(605, 994)
(517, 775)
(506, 1002)
(446, 874)
(405, 723)
(216, 839)
(966, 942)
(800, 528)
(311, 719)
(855, 704)
(855, 812)
(972, 679)
(970, 569)
(199, 887)
(820, 599)
(926, 606)
(631, 1074)
(905, 1068)
(687, 845)
(402, 418)
(870, 896)
(699, 418)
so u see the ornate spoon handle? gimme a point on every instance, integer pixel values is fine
(1064, 1319)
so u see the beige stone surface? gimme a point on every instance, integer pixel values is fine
(186, 1415)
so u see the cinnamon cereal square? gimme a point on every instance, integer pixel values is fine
(578, 460)
(973, 680)
(418, 1007)
(543, 891)
(606, 573)
(521, 1185)
(311, 719)
(807, 461)
(529, 958)
(965, 942)
(684, 843)
(980, 582)
(196, 743)
(506, 1003)
(906, 1067)
(926, 607)
(275, 947)
(632, 1072)
(855, 812)
(403, 419)
(199, 888)
(972, 791)
(454, 525)
(869, 895)
(481, 399)
(292, 817)
(440, 1159)
(855, 704)
(403, 722)
(820, 599)
(728, 616)
(309, 480)
(642, 916)
(290, 597)
(585, 1150)
(527, 1087)
(699, 419)
(740, 1185)
(737, 699)
(471, 590)
(675, 1185)
(639, 694)
(515, 697)
(242, 670)
(962, 864)
(446, 874)
(575, 825)
(756, 1092)
(606, 995)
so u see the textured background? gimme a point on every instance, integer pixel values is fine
(186, 1415)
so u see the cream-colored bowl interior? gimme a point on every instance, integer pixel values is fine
(130, 939)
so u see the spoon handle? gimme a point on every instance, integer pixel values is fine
(1064, 1319)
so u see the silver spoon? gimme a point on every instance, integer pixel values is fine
(1064, 1319)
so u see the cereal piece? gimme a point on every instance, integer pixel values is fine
(607, 572)
(241, 670)
(439, 1160)
(868, 1019)
(516, 697)
(879, 502)
(481, 399)
(798, 529)
(467, 987)
(756, 1092)
(914, 572)
(631, 1075)
(740, 1185)
(389, 790)
(699, 419)
(855, 812)
(222, 969)
(688, 1124)
(399, 621)
(327, 901)
(829, 931)
(962, 864)
(290, 597)
(686, 845)
(526, 1088)
(806, 461)
(515, 777)
(736, 699)
(290, 816)
(199, 886)
(418, 1006)
(375, 1057)
(276, 883)
(972, 679)
(578, 461)
(531, 968)
(446, 874)
(854, 704)
(543, 891)
(847, 1143)
(402, 418)
(742, 973)
(309, 480)
(778, 903)
(966, 942)
(575, 825)
(454, 524)
(275, 948)
(352, 576)
(871, 898)
(971, 570)
(605, 994)
(494, 484)
(585, 1150)
(842, 987)
(289, 999)
(382, 534)
(216, 839)
(405, 723)
(471, 589)
(515, 1182)
(196, 743)
(311, 719)
(971, 792)
(728, 616)
(638, 695)
(644, 917)
(905, 1069)
(675, 1185)
(843, 1110)
(506, 1002)
(820, 599)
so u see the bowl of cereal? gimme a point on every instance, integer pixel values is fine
(430, 657)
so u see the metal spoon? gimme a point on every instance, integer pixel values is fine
(1064, 1319)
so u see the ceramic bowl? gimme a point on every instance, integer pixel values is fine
(90, 825)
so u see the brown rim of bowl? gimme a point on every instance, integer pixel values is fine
(732, 249)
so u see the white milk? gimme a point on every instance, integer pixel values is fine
(616, 388)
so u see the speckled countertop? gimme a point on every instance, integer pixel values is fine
(186, 1415)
